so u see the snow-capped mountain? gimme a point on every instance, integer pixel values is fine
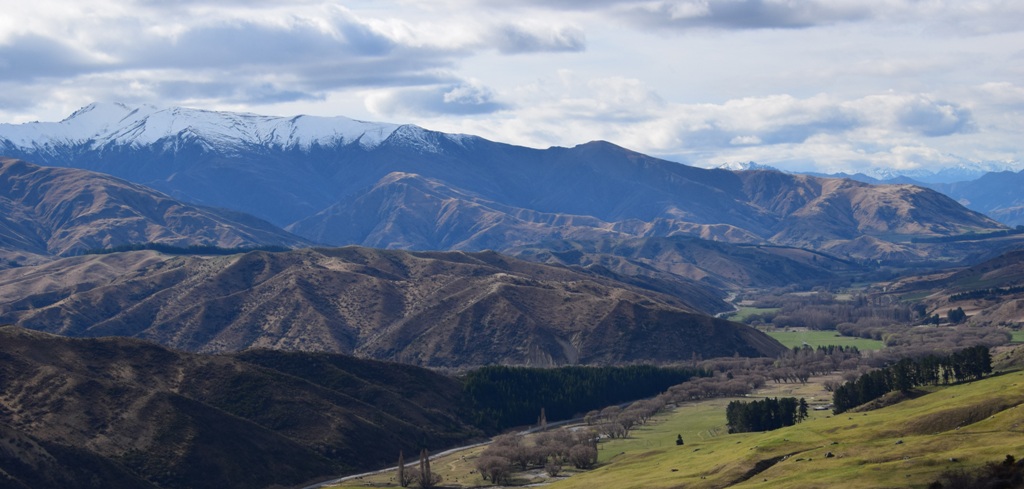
(340, 181)
(744, 166)
(101, 125)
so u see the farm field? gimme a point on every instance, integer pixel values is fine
(743, 313)
(799, 337)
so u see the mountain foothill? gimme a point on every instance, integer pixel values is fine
(211, 299)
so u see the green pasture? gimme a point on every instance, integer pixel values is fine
(743, 313)
(799, 337)
(909, 444)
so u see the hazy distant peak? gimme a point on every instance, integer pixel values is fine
(961, 172)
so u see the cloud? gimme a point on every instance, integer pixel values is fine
(517, 39)
(175, 52)
(744, 14)
(1005, 94)
(933, 119)
(460, 99)
(915, 114)
(956, 17)
(878, 130)
(30, 57)
(720, 14)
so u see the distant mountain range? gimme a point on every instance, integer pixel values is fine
(961, 172)
(337, 181)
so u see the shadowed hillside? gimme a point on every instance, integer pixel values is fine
(440, 309)
(118, 412)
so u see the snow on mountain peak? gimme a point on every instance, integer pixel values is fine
(961, 172)
(100, 124)
(743, 166)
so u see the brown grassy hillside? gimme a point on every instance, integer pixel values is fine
(442, 309)
(123, 411)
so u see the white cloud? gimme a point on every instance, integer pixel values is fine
(516, 39)
(461, 99)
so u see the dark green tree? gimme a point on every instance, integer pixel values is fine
(956, 316)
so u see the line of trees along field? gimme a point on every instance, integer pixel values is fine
(992, 293)
(968, 364)
(502, 397)
(766, 415)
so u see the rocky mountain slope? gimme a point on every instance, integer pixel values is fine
(65, 211)
(340, 182)
(122, 413)
(436, 309)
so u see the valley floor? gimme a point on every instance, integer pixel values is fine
(909, 444)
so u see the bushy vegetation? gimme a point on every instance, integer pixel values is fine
(550, 450)
(823, 311)
(1006, 474)
(968, 364)
(501, 397)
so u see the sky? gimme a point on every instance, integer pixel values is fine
(802, 85)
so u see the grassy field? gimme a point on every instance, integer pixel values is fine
(909, 444)
(822, 338)
(1018, 336)
(743, 312)
(696, 422)
(905, 445)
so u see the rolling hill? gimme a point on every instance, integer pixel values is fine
(673, 259)
(119, 412)
(64, 211)
(990, 292)
(426, 308)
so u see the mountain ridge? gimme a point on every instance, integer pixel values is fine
(428, 308)
(604, 189)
